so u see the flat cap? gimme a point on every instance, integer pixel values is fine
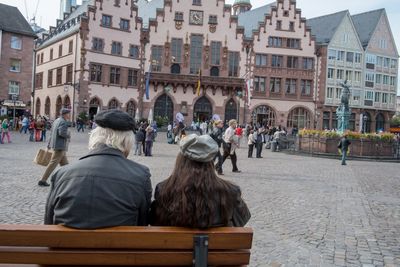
(199, 148)
(115, 119)
(65, 111)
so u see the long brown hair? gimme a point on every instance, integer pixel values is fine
(193, 195)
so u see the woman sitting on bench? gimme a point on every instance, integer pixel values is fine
(194, 196)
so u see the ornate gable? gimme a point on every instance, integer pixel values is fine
(346, 36)
(382, 41)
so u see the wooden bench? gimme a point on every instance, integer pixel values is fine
(54, 245)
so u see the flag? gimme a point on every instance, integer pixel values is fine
(247, 92)
(198, 84)
(147, 87)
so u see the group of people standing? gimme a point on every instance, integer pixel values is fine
(145, 136)
(106, 189)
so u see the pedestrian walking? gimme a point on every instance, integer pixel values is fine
(343, 145)
(250, 143)
(150, 136)
(139, 137)
(59, 141)
(5, 125)
(230, 144)
(216, 135)
(24, 125)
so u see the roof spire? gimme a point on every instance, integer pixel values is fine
(241, 6)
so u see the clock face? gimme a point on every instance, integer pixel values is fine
(196, 17)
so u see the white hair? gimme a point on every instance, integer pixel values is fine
(121, 140)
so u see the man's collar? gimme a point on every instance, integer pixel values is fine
(104, 150)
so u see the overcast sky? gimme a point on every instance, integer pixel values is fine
(48, 10)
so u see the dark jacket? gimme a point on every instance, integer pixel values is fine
(217, 135)
(102, 189)
(139, 136)
(239, 217)
(344, 144)
(59, 137)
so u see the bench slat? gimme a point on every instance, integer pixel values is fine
(117, 257)
(57, 236)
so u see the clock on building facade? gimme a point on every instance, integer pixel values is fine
(196, 17)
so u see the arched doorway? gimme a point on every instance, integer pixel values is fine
(230, 110)
(58, 106)
(130, 108)
(214, 71)
(47, 107)
(380, 123)
(94, 107)
(366, 122)
(202, 110)
(164, 107)
(175, 69)
(300, 118)
(37, 108)
(113, 104)
(264, 115)
(67, 102)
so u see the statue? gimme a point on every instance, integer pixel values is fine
(344, 97)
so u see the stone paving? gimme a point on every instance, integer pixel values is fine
(305, 211)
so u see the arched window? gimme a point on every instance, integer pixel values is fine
(264, 116)
(366, 122)
(231, 110)
(47, 107)
(380, 122)
(113, 104)
(175, 69)
(130, 108)
(94, 107)
(37, 109)
(164, 107)
(202, 110)
(214, 71)
(300, 118)
(67, 102)
(58, 106)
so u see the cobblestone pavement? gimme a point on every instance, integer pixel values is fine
(305, 211)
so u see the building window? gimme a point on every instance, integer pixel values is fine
(70, 46)
(214, 71)
(69, 74)
(308, 63)
(178, 16)
(291, 86)
(132, 77)
(300, 118)
(41, 58)
(113, 104)
(212, 19)
(38, 59)
(59, 76)
(233, 64)
(197, 2)
(124, 24)
(325, 120)
(60, 48)
(117, 3)
(156, 53)
(293, 43)
(95, 73)
(13, 88)
(15, 65)
(383, 44)
(39, 80)
(385, 79)
(215, 53)
(277, 61)
(176, 50)
(349, 75)
(371, 59)
(292, 62)
(378, 78)
(384, 98)
(261, 60)
(331, 73)
(350, 57)
(386, 62)
(134, 51)
(51, 54)
(357, 76)
(332, 54)
(97, 44)
(306, 87)
(340, 74)
(338, 92)
(393, 63)
(196, 48)
(346, 38)
(279, 25)
(340, 55)
(379, 61)
(357, 58)
(116, 48)
(115, 74)
(106, 21)
(377, 97)
(392, 81)
(49, 78)
(259, 84)
(275, 85)
(275, 41)
(329, 92)
(291, 26)
(369, 95)
(16, 42)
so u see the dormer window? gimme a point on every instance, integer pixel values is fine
(178, 16)
(279, 25)
(286, 13)
(291, 26)
(197, 2)
(212, 19)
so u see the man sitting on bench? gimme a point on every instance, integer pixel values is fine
(103, 188)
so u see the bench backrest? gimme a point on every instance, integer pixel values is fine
(127, 245)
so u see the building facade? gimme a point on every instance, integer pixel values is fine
(198, 58)
(16, 62)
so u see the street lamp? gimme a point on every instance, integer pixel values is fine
(167, 89)
(365, 118)
(14, 99)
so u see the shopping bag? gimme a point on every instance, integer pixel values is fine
(43, 157)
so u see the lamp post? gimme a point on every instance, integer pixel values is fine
(14, 99)
(246, 85)
(365, 118)
(167, 89)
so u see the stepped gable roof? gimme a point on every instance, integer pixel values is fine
(251, 19)
(148, 10)
(68, 26)
(366, 23)
(17, 24)
(324, 27)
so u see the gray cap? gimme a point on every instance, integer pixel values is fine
(199, 148)
(115, 119)
(65, 111)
